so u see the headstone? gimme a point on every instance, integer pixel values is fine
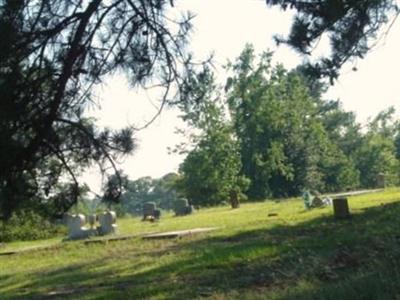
(327, 201)
(341, 208)
(92, 220)
(107, 222)
(150, 211)
(182, 207)
(380, 181)
(76, 228)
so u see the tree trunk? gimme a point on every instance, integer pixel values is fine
(234, 199)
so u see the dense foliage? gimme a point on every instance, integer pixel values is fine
(52, 54)
(28, 225)
(279, 134)
(135, 193)
(211, 170)
(353, 27)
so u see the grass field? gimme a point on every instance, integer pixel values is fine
(296, 254)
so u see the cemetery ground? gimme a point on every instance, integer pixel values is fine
(265, 250)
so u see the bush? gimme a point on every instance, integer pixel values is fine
(27, 225)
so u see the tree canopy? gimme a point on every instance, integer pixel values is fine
(211, 169)
(270, 133)
(52, 54)
(353, 27)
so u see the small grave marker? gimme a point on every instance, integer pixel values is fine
(341, 208)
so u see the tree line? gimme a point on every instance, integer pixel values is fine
(54, 52)
(268, 132)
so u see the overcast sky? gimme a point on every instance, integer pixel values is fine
(224, 27)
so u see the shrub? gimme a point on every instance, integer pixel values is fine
(27, 225)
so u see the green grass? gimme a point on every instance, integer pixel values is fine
(297, 254)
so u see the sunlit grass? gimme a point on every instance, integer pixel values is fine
(295, 253)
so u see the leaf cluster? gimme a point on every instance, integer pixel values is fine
(52, 55)
(349, 25)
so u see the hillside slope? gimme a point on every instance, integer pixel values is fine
(293, 254)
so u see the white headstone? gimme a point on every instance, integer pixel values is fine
(76, 227)
(107, 222)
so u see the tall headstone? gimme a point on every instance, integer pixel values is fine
(341, 208)
(92, 220)
(107, 222)
(148, 210)
(182, 207)
(76, 228)
(380, 181)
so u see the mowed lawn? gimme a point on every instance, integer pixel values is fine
(290, 254)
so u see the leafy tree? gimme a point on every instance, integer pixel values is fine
(377, 153)
(52, 54)
(377, 156)
(285, 135)
(384, 123)
(351, 27)
(340, 171)
(164, 191)
(341, 126)
(284, 144)
(135, 193)
(211, 170)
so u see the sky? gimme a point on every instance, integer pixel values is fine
(224, 27)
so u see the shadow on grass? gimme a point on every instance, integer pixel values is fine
(319, 259)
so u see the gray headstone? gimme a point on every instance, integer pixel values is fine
(92, 220)
(148, 209)
(107, 222)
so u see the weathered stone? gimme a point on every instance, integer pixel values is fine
(380, 181)
(179, 233)
(76, 227)
(107, 222)
(92, 220)
(150, 211)
(182, 207)
(341, 208)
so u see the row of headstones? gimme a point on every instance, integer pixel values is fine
(181, 208)
(77, 228)
(340, 204)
